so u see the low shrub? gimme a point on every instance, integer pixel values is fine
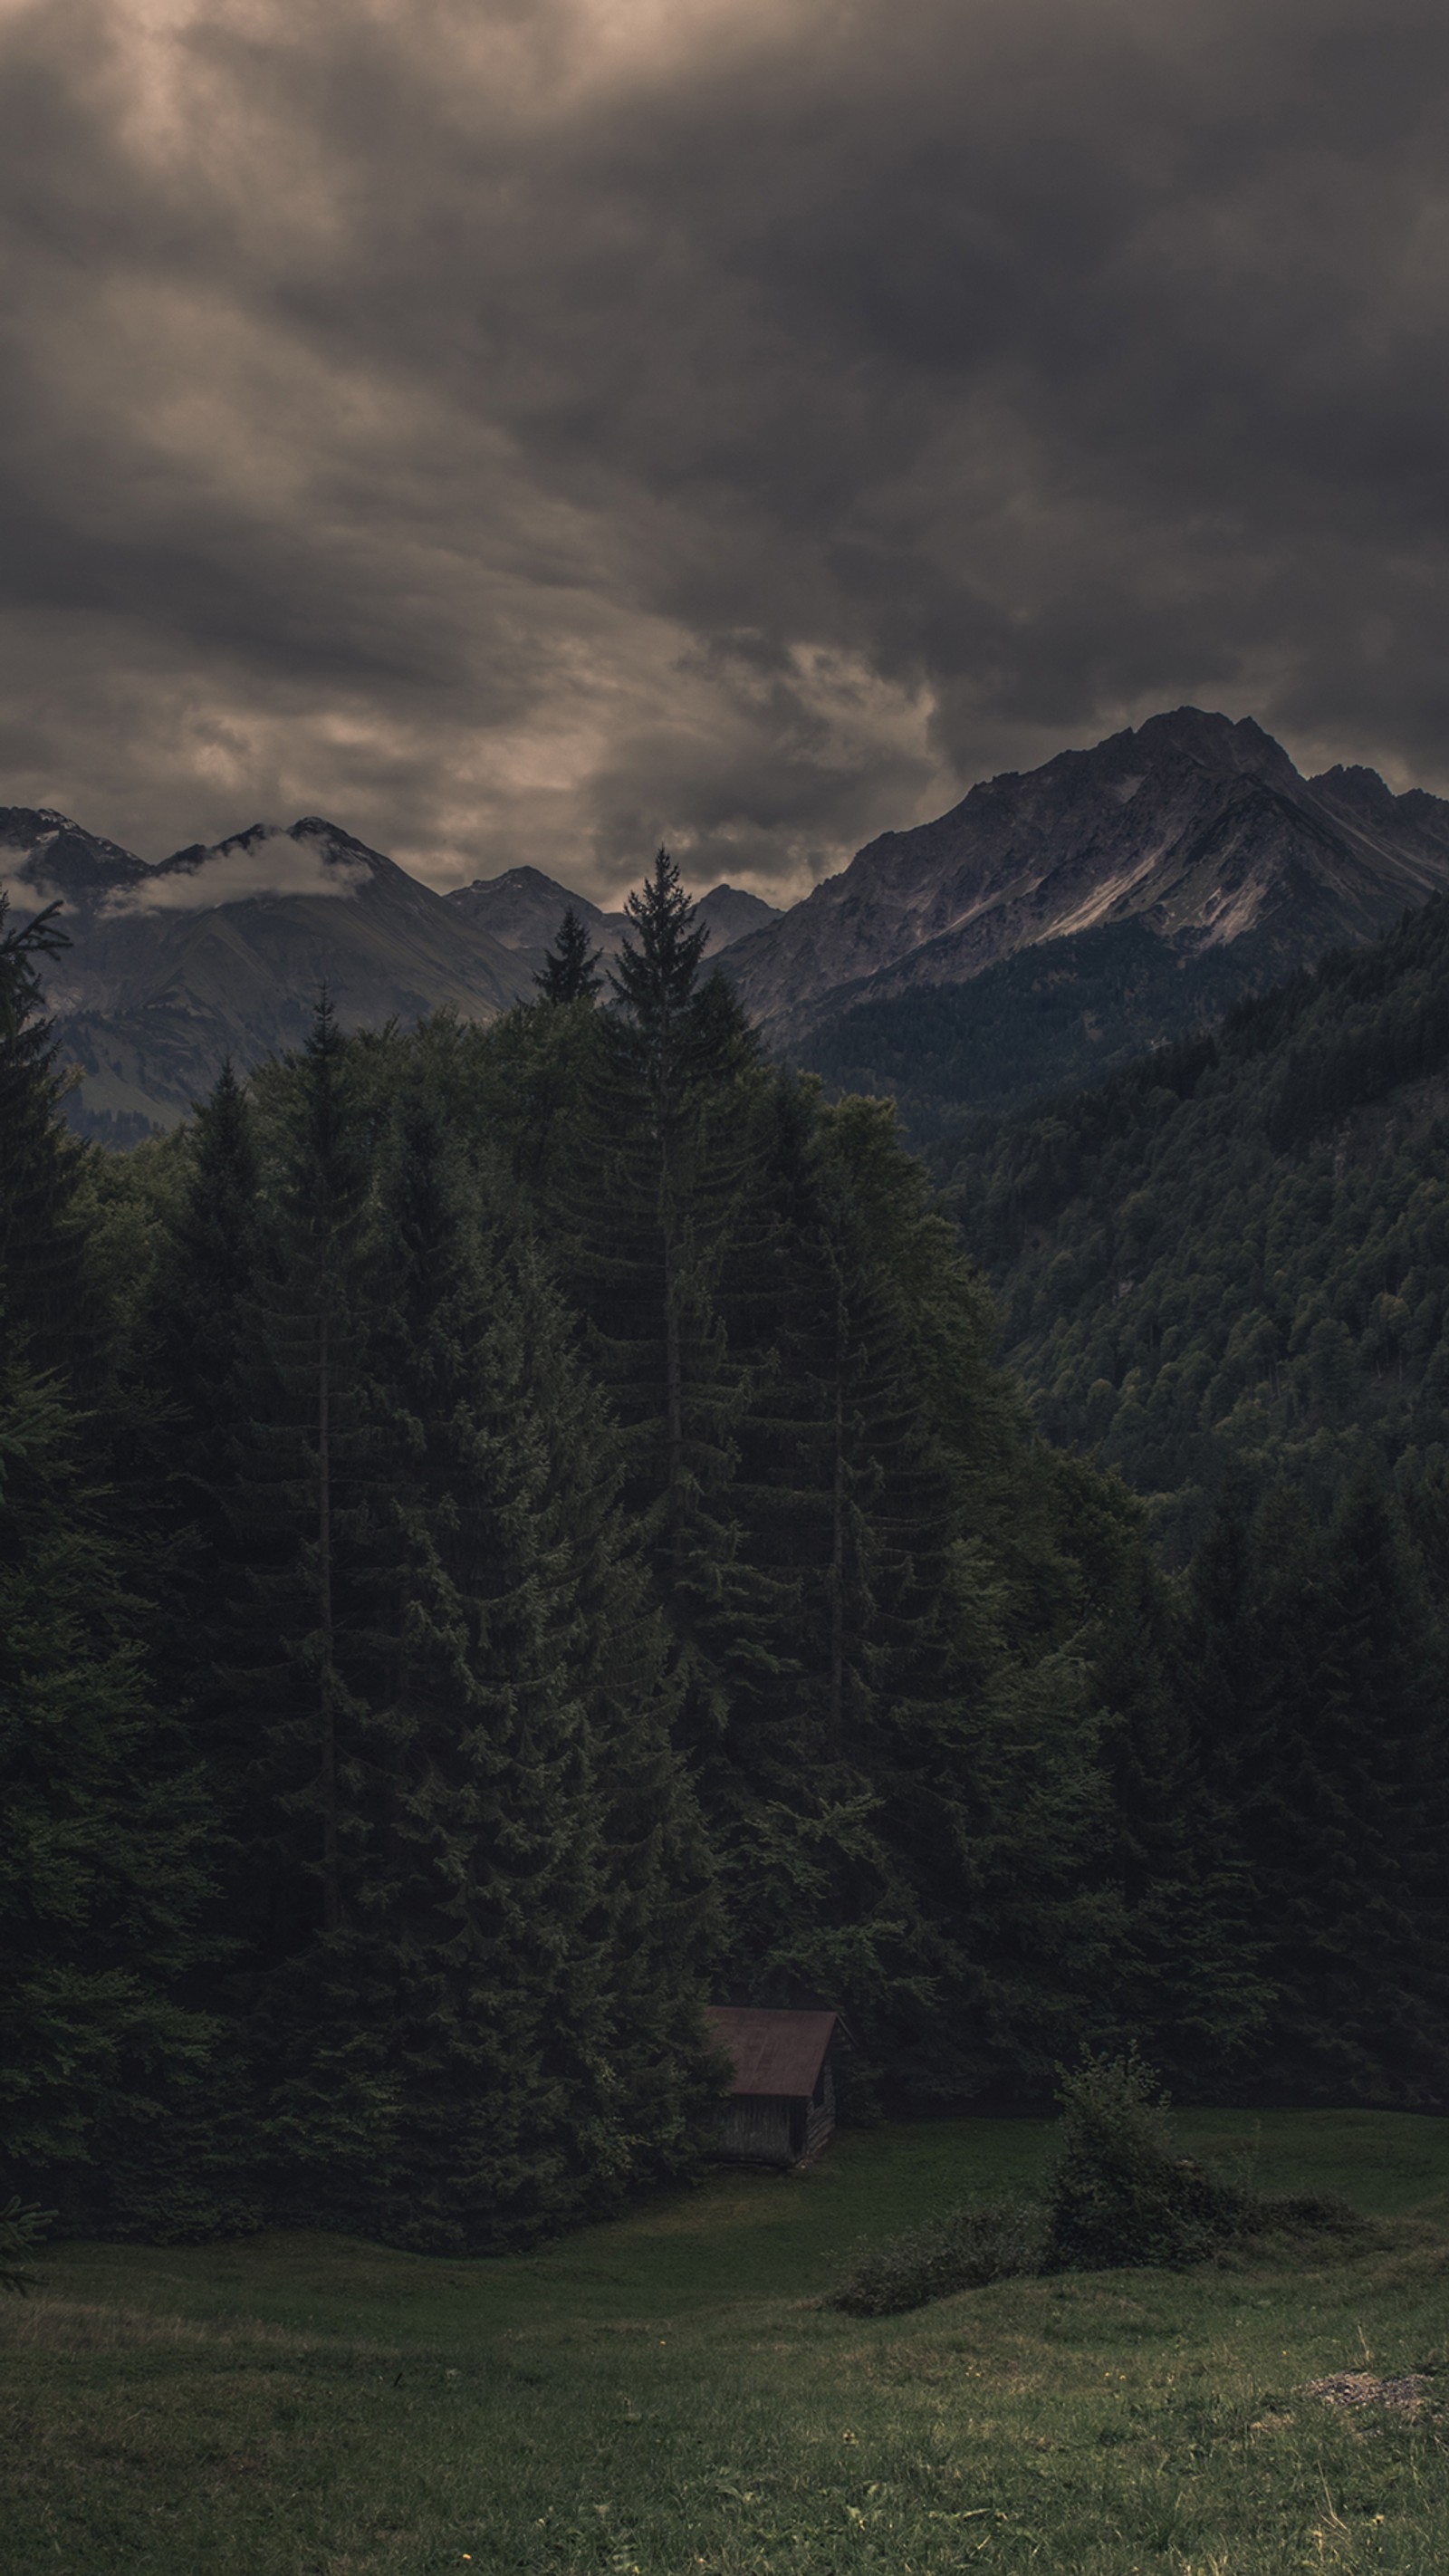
(1306, 2213)
(996, 2241)
(1119, 2193)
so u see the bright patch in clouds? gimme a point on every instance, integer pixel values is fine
(526, 430)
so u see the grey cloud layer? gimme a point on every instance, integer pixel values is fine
(527, 433)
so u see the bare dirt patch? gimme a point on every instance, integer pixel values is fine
(1360, 2388)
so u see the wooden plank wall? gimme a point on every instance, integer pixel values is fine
(820, 2118)
(757, 2129)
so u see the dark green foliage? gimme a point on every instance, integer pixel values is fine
(192, 1340)
(515, 1530)
(103, 1832)
(104, 1817)
(569, 971)
(1119, 2192)
(41, 1242)
(22, 2226)
(995, 2241)
(903, 1804)
(1067, 1011)
(1299, 2214)
(476, 2008)
(1312, 1680)
(1236, 1250)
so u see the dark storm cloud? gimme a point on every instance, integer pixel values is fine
(527, 432)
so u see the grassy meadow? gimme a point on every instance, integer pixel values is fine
(668, 2395)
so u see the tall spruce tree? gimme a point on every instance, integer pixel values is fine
(638, 1222)
(473, 2002)
(1382, 1762)
(302, 1503)
(995, 1795)
(1316, 1702)
(103, 1819)
(50, 1301)
(570, 969)
(820, 1907)
(192, 1345)
(104, 1836)
(1185, 1978)
(534, 1688)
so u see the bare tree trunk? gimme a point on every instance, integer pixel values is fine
(673, 1357)
(837, 1546)
(331, 1887)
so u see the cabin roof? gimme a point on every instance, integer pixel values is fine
(773, 2052)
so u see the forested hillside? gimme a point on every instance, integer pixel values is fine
(1236, 1252)
(509, 1533)
(1064, 1012)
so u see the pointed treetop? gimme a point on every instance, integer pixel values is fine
(568, 969)
(324, 1038)
(656, 979)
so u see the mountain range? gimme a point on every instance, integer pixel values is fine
(523, 908)
(220, 950)
(1050, 923)
(1200, 829)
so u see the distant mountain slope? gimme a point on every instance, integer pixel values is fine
(1201, 829)
(1062, 1013)
(1240, 1249)
(1057, 921)
(522, 910)
(220, 951)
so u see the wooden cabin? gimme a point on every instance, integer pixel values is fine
(781, 2105)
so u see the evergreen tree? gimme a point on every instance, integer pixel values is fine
(820, 1906)
(1377, 2011)
(305, 1495)
(192, 1345)
(569, 970)
(48, 1298)
(586, 1891)
(639, 1222)
(474, 2003)
(104, 1827)
(668, 1051)
(103, 1819)
(1186, 1979)
(1321, 1724)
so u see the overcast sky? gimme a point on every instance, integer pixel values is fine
(523, 430)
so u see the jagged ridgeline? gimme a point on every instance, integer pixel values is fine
(1236, 1252)
(511, 1532)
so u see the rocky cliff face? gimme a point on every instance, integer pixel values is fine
(1199, 828)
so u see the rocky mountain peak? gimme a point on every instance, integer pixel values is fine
(1214, 741)
(45, 857)
(1196, 825)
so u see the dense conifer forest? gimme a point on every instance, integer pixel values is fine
(510, 1533)
(1061, 1013)
(1233, 1256)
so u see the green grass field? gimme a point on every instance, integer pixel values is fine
(667, 2395)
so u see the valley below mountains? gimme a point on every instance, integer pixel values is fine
(1053, 925)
